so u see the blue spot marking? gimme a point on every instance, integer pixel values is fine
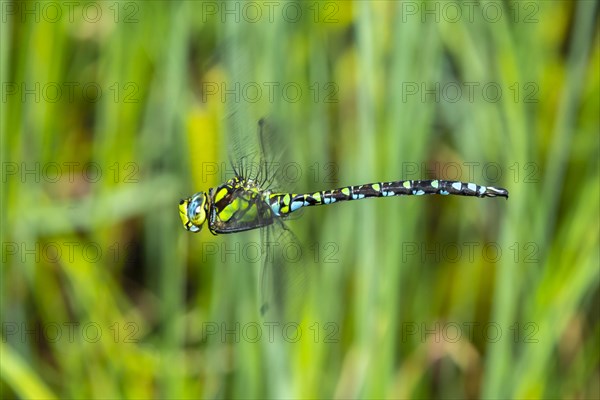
(444, 192)
(457, 185)
(295, 205)
(275, 207)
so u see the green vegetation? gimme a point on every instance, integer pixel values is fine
(113, 111)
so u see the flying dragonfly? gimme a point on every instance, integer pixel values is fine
(247, 202)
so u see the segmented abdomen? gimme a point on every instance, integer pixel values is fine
(285, 203)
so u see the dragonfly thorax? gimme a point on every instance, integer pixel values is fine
(193, 211)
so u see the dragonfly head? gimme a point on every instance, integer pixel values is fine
(193, 211)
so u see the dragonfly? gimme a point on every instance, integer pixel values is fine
(246, 202)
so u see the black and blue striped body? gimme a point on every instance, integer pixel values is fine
(240, 204)
(285, 203)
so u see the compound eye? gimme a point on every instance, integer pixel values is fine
(196, 212)
(192, 212)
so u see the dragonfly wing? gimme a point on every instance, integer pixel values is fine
(285, 273)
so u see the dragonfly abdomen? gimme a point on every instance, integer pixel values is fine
(285, 203)
(437, 186)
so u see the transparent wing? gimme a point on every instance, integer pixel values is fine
(241, 91)
(256, 144)
(285, 275)
(256, 151)
(277, 172)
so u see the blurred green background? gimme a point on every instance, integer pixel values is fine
(113, 111)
